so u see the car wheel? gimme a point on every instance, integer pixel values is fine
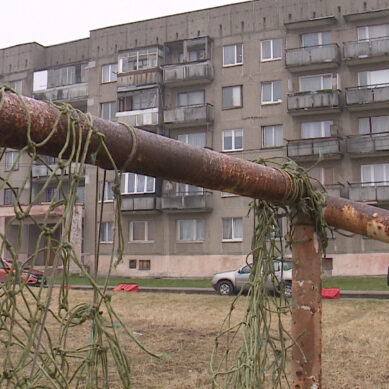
(225, 288)
(288, 289)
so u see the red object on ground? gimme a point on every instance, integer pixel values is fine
(330, 293)
(127, 288)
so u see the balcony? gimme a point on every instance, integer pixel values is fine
(364, 52)
(41, 172)
(308, 103)
(201, 202)
(334, 190)
(188, 74)
(368, 145)
(191, 115)
(141, 118)
(371, 192)
(312, 58)
(138, 78)
(64, 93)
(140, 204)
(367, 97)
(312, 149)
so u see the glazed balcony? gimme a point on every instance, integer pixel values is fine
(41, 172)
(139, 78)
(141, 118)
(312, 58)
(375, 192)
(140, 204)
(200, 202)
(367, 97)
(67, 93)
(187, 74)
(308, 103)
(190, 115)
(312, 149)
(370, 51)
(368, 145)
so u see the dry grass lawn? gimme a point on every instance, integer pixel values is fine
(183, 327)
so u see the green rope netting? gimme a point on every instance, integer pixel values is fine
(34, 354)
(252, 352)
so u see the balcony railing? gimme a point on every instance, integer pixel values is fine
(329, 148)
(366, 51)
(201, 202)
(190, 115)
(367, 97)
(368, 144)
(63, 93)
(334, 189)
(189, 73)
(311, 58)
(137, 78)
(142, 118)
(130, 203)
(306, 103)
(369, 191)
(43, 171)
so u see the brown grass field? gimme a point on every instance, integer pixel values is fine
(355, 339)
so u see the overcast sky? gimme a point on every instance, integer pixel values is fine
(50, 22)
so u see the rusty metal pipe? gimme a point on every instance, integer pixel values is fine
(172, 160)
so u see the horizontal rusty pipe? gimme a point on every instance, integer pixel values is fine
(172, 160)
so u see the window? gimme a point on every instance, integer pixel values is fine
(325, 175)
(373, 78)
(16, 86)
(192, 56)
(375, 174)
(106, 234)
(109, 72)
(132, 183)
(232, 140)
(51, 195)
(191, 230)
(10, 195)
(373, 32)
(272, 136)
(314, 83)
(271, 92)
(271, 49)
(144, 264)
(232, 229)
(141, 231)
(132, 101)
(232, 97)
(108, 110)
(374, 125)
(316, 129)
(132, 263)
(40, 80)
(80, 194)
(108, 192)
(138, 59)
(11, 160)
(195, 139)
(315, 39)
(190, 98)
(187, 190)
(233, 55)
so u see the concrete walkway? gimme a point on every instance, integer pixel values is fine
(368, 294)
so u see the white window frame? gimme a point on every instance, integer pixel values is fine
(273, 129)
(194, 222)
(272, 100)
(235, 63)
(151, 53)
(16, 85)
(186, 138)
(109, 196)
(233, 221)
(322, 77)
(112, 112)
(11, 160)
(368, 75)
(40, 80)
(272, 57)
(10, 195)
(112, 69)
(106, 232)
(367, 32)
(232, 92)
(322, 129)
(188, 93)
(234, 134)
(147, 229)
(373, 181)
(319, 41)
(125, 177)
(188, 190)
(371, 128)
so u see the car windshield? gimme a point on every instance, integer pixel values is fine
(287, 265)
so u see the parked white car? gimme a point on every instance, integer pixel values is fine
(230, 282)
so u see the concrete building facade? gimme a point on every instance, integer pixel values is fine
(302, 79)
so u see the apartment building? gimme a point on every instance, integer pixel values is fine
(302, 79)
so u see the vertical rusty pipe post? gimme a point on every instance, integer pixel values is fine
(306, 305)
